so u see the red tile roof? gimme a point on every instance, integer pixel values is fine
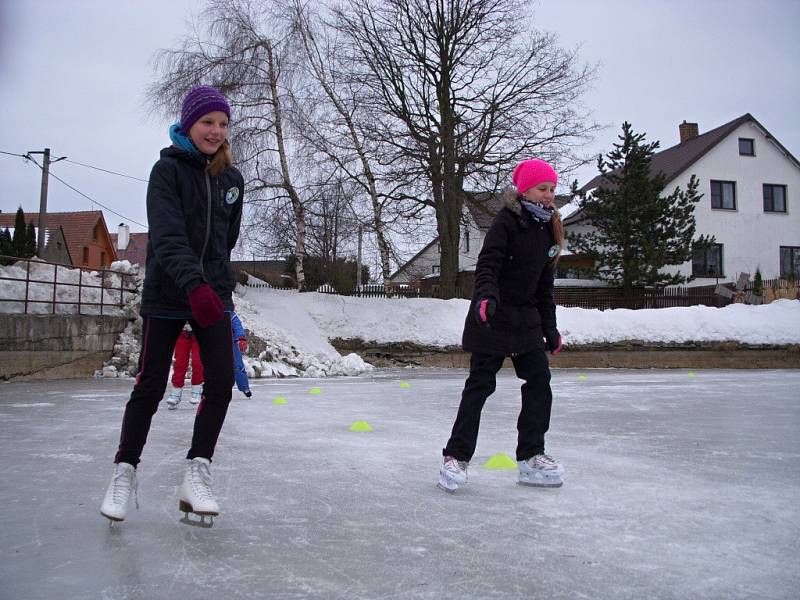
(78, 227)
(136, 252)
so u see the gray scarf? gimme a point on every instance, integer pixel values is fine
(539, 212)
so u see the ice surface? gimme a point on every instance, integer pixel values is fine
(675, 487)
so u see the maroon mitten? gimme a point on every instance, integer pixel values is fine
(553, 339)
(207, 308)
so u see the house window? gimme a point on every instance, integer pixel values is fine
(790, 261)
(707, 261)
(85, 255)
(434, 269)
(95, 231)
(774, 198)
(466, 240)
(723, 194)
(747, 147)
(102, 259)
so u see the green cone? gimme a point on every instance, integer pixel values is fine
(360, 426)
(500, 462)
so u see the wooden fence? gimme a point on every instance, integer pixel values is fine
(602, 298)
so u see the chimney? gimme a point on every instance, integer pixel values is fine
(124, 237)
(688, 131)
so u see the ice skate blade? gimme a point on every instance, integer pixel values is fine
(445, 488)
(111, 520)
(541, 483)
(187, 520)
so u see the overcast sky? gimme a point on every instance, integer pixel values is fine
(73, 74)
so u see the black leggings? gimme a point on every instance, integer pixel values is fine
(534, 417)
(158, 343)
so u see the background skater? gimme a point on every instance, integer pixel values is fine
(513, 314)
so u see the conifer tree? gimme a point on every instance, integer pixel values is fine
(6, 248)
(19, 241)
(30, 241)
(637, 230)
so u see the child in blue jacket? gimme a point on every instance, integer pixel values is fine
(239, 346)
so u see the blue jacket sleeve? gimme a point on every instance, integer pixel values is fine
(236, 325)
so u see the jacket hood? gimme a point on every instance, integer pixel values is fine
(175, 152)
(511, 200)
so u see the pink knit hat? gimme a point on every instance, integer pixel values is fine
(530, 173)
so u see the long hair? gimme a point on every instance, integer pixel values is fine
(221, 160)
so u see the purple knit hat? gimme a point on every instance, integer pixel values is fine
(530, 173)
(200, 101)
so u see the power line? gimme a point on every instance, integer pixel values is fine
(84, 195)
(74, 162)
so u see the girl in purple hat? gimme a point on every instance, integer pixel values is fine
(513, 314)
(194, 207)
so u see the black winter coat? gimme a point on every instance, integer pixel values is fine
(194, 222)
(514, 269)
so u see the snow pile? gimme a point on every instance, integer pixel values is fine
(295, 345)
(439, 323)
(67, 286)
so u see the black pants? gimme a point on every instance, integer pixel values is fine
(534, 418)
(158, 343)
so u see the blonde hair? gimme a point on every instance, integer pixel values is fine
(221, 160)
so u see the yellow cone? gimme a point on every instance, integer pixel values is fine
(360, 426)
(690, 373)
(581, 377)
(315, 391)
(279, 400)
(500, 461)
(405, 384)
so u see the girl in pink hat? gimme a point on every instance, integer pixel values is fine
(513, 314)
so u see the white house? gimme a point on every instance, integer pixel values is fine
(751, 187)
(479, 212)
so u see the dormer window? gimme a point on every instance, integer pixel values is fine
(747, 147)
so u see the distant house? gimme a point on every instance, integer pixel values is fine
(88, 243)
(130, 246)
(480, 210)
(751, 190)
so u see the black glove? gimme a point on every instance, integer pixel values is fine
(484, 310)
(553, 340)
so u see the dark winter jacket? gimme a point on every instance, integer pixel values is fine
(514, 269)
(194, 224)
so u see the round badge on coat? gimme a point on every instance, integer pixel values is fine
(553, 251)
(232, 195)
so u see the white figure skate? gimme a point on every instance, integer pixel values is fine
(197, 393)
(196, 496)
(452, 474)
(174, 398)
(540, 471)
(115, 503)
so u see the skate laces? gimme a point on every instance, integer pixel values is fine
(454, 465)
(121, 485)
(201, 480)
(543, 461)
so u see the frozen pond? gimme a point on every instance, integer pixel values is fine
(678, 485)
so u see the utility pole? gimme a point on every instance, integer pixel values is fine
(358, 261)
(43, 197)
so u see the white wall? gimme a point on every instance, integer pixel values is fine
(751, 237)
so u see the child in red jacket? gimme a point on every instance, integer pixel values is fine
(185, 347)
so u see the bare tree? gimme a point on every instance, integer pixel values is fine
(459, 90)
(241, 53)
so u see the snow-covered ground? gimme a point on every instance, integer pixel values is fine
(297, 328)
(676, 487)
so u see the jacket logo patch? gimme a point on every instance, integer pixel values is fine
(232, 195)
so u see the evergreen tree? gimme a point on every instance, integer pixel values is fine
(30, 241)
(758, 283)
(19, 242)
(6, 248)
(637, 230)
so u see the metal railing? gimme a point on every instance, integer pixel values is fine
(26, 285)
